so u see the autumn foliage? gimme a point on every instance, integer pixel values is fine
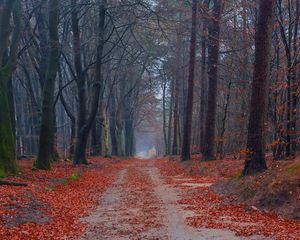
(54, 201)
(215, 211)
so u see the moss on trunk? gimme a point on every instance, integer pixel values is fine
(8, 163)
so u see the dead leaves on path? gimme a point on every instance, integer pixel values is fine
(130, 209)
(61, 196)
(139, 194)
(211, 211)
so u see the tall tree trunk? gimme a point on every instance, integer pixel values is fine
(223, 122)
(119, 132)
(46, 131)
(129, 137)
(213, 61)
(276, 116)
(95, 138)
(8, 164)
(203, 100)
(34, 109)
(70, 115)
(112, 125)
(164, 87)
(176, 95)
(100, 133)
(12, 60)
(289, 131)
(260, 87)
(80, 78)
(5, 11)
(186, 144)
(97, 88)
(170, 118)
(295, 87)
(42, 27)
(106, 136)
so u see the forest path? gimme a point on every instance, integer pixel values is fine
(141, 205)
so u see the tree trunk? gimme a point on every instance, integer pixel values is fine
(176, 95)
(295, 87)
(129, 132)
(170, 118)
(203, 86)
(164, 88)
(119, 132)
(106, 137)
(260, 87)
(8, 163)
(44, 49)
(213, 61)
(223, 123)
(6, 8)
(70, 115)
(97, 88)
(95, 139)
(186, 144)
(46, 131)
(112, 125)
(80, 78)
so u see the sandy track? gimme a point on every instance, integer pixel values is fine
(140, 205)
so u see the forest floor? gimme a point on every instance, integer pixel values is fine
(131, 199)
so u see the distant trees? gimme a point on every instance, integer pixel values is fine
(288, 16)
(223, 79)
(80, 82)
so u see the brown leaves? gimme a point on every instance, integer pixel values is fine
(212, 211)
(63, 201)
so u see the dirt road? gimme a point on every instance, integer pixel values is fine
(141, 205)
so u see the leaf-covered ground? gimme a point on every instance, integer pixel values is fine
(131, 199)
(212, 211)
(53, 202)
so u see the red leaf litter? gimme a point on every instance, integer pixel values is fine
(138, 193)
(58, 198)
(54, 203)
(212, 211)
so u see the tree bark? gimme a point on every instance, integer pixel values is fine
(70, 115)
(186, 144)
(256, 129)
(106, 137)
(97, 88)
(8, 163)
(112, 124)
(176, 93)
(203, 100)
(170, 119)
(46, 131)
(164, 88)
(223, 122)
(213, 61)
